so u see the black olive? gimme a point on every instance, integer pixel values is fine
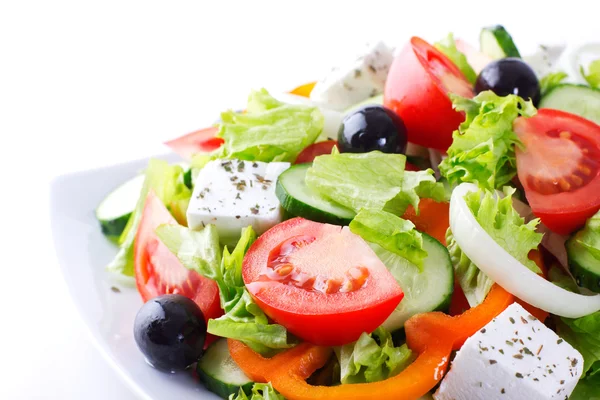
(509, 76)
(372, 127)
(170, 331)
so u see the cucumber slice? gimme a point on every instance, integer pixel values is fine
(115, 210)
(220, 374)
(497, 43)
(583, 265)
(427, 290)
(187, 179)
(576, 99)
(299, 200)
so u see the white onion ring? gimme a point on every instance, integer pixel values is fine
(507, 271)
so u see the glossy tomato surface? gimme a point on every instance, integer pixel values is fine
(320, 281)
(158, 271)
(314, 150)
(201, 141)
(417, 89)
(559, 168)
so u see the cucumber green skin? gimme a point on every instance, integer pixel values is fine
(113, 228)
(221, 389)
(584, 267)
(444, 304)
(552, 99)
(505, 41)
(216, 362)
(187, 179)
(295, 208)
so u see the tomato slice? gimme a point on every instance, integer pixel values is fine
(158, 271)
(417, 89)
(202, 141)
(559, 168)
(320, 281)
(314, 150)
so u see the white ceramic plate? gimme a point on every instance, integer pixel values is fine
(83, 253)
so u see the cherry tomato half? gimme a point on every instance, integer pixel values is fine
(314, 150)
(158, 271)
(559, 168)
(417, 89)
(201, 141)
(322, 282)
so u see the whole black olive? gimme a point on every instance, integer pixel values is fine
(170, 331)
(509, 76)
(372, 127)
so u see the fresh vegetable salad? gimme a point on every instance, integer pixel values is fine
(421, 222)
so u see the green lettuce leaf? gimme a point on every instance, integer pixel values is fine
(587, 389)
(374, 180)
(269, 130)
(373, 358)
(551, 80)
(448, 47)
(243, 319)
(584, 335)
(483, 147)
(589, 237)
(474, 282)
(501, 221)
(260, 391)
(167, 182)
(593, 75)
(390, 232)
(557, 276)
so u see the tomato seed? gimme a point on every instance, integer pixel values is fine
(564, 185)
(284, 269)
(565, 135)
(347, 286)
(577, 180)
(584, 170)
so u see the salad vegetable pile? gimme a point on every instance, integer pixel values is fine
(422, 222)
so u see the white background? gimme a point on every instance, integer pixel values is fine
(91, 83)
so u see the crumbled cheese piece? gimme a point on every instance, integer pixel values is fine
(232, 194)
(514, 357)
(356, 81)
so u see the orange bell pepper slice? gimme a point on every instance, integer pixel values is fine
(432, 335)
(304, 90)
(433, 218)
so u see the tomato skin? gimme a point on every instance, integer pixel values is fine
(201, 141)
(329, 319)
(566, 211)
(417, 96)
(314, 150)
(158, 271)
(411, 167)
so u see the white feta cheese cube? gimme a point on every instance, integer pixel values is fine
(356, 80)
(513, 357)
(232, 194)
